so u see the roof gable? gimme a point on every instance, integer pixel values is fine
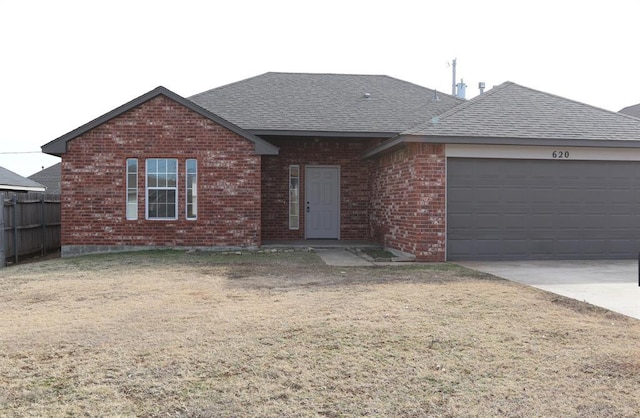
(49, 177)
(340, 104)
(15, 182)
(59, 145)
(516, 112)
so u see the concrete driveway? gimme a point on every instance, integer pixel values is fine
(611, 284)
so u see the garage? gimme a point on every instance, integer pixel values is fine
(518, 209)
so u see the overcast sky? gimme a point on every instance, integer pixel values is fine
(65, 63)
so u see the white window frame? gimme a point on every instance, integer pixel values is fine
(294, 201)
(149, 188)
(191, 186)
(131, 207)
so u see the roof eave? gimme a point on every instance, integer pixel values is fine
(326, 134)
(14, 188)
(399, 140)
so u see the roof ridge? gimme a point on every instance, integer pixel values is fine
(573, 101)
(462, 106)
(225, 85)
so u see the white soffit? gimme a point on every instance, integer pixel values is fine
(541, 152)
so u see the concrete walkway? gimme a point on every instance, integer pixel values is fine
(611, 284)
(341, 257)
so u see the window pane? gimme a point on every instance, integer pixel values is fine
(162, 210)
(132, 189)
(162, 180)
(191, 166)
(132, 211)
(162, 166)
(171, 180)
(294, 197)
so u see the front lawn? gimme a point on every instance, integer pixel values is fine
(198, 334)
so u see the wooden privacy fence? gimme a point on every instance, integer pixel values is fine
(30, 225)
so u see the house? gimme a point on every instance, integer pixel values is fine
(12, 182)
(632, 110)
(49, 177)
(512, 174)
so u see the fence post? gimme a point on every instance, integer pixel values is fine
(3, 253)
(14, 200)
(44, 226)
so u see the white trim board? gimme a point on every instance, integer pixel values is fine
(541, 152)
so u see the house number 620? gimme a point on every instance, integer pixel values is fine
(560, 154)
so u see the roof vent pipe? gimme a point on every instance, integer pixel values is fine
(481, 87)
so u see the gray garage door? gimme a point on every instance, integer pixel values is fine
(539, 209)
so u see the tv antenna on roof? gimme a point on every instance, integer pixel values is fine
(453, 84)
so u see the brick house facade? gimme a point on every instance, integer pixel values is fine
(94, 181)
(242, 184)
(303, 152)
(408, 200)
(290, 156)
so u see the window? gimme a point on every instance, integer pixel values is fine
(192, 189)
(162, 188)
(132, 188)
(294, 197)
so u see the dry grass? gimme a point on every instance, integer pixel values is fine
(175, 334)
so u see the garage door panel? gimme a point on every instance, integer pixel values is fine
(542, 209)
(621, 221)
(514, 220)
(621, 247)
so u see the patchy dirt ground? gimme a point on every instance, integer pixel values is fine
(197, 334)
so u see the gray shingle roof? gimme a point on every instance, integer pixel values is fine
(298, 103)
(49, 178)
(15, 182)
(513, 111)
(631, 111)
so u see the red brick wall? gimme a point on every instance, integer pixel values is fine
(94, 182)
(408, 201)
(354, 192)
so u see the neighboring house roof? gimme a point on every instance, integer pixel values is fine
(631, 111)
(59, 146)
(325, 104)
(10, 181)
(49, 177)
(514, 114)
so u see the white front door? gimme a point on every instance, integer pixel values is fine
(322, 202)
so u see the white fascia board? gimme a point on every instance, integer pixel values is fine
(9, 188)
(524, 152)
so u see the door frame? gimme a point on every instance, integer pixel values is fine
(338, 200)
